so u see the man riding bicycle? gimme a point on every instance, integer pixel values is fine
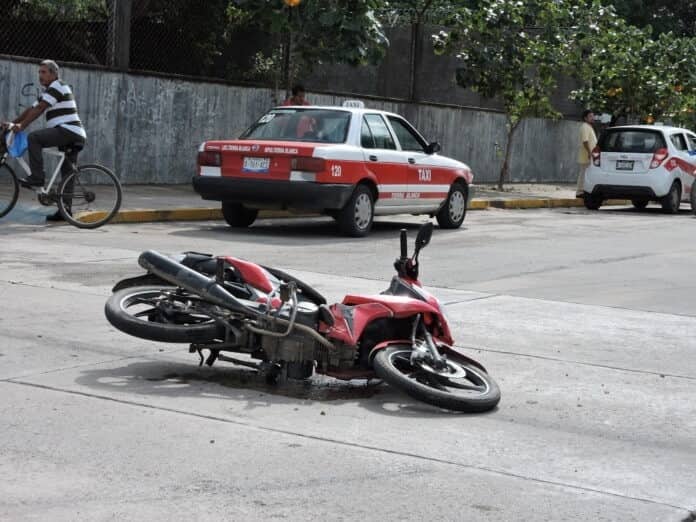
(64, 127)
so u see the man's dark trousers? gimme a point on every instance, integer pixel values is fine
(51, 137)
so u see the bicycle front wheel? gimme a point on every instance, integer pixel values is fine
(9, 189)
(90, 196)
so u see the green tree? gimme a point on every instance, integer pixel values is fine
(56, 10)
(312, 32)
(511, 50)
(626, 72)
(663, 16)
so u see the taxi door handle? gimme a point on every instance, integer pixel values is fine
(373, 157)
(411, 161)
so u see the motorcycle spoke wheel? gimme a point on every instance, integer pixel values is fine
(458, 386)
(164, 314)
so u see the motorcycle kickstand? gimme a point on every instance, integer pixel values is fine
(210, 360)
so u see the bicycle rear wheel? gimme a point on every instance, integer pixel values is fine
(9, 189)
(90, 196)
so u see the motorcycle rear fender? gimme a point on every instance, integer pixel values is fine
(251, 273)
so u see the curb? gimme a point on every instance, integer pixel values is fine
(205, 214)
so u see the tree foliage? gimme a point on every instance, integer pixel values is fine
(408, 12)
(56, 10)
(314, 32)
(625, 71)
(510, 50)
(663, 16)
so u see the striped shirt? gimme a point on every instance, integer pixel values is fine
(62, 111)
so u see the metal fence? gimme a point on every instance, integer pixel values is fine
(117, 34)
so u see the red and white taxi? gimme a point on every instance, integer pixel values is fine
(643, 163)
(349, 162)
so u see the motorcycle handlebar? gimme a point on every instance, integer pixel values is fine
(404, 244)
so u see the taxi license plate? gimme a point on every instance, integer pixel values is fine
(256, 164)
(624, 165)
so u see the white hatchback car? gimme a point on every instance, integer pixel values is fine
(643, 163)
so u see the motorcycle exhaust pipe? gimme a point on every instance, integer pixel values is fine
(189, 279)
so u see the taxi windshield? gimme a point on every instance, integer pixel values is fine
(294, 124)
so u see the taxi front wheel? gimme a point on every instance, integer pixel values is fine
(355, 219)
(452, 213)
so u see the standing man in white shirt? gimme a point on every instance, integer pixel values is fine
(63, 125)
(588, 141)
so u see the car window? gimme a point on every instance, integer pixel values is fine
(678, 141)
(692, 141)
(381, 136)
(320, 125)
(408, 138)
(366, 139)
(631, 140)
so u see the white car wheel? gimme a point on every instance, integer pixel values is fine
(452, 214)
(355, 219)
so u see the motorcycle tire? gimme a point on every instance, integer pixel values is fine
(474, 392)
(156, 324)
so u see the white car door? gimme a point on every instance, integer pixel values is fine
(688, 181)
(684, 162)
(428, 180)
(386, 162)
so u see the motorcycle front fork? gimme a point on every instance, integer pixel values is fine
(425, 350)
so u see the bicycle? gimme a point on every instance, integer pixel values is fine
(88, 197)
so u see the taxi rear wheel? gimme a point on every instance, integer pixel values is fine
(355, 219)
(237, 215)
(693, 198)
(453, 212)
(670, 203)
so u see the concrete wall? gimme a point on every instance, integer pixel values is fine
(148, 128)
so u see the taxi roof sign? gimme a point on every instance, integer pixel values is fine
(355, 104)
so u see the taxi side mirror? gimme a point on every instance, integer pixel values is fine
(432, 148)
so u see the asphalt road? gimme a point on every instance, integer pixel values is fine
(585, 319)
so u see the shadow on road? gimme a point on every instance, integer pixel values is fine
(176, 380)
(287, 232)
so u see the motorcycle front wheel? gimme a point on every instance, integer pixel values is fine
(459, 387)
(161, 313)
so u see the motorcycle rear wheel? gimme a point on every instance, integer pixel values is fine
(160, 313)
(459, 387)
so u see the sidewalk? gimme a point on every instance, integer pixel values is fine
(180, 203)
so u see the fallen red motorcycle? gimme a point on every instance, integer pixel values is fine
(224, 304)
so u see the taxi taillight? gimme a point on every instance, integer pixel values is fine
(209, 158)
(659, 156)
(597, 156)
(307, 164)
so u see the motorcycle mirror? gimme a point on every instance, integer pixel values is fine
(424, 235)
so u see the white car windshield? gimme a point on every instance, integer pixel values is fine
(293, 124)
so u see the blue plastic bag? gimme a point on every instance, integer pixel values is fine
(19, 144)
